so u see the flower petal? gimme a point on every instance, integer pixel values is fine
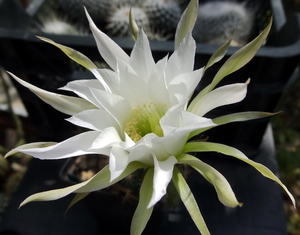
(182, 59)
(29, 146)
(82, 89)
(186, 83)
(71, 147)
(94, 119)
(107, 138)
(141, 59)
(118, 161)
(65, 104)
(224, 95)
(108, 49)
(163, 171)
(115, 105)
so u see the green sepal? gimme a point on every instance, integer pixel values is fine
(189, 201)
(230, 151)
(97, 182)
(142, 213)
(234, 117)
(236, 61)
(77, 56)
(221, 185)
(77, 198)
(186, 22)
(133, 26)
(218, 55)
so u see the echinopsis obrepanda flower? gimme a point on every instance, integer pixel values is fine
(141, 115)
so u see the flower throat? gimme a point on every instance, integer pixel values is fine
(145, 120)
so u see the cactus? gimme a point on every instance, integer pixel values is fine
(163, 14)
(218, 20)
(97, 9)
(118, 21)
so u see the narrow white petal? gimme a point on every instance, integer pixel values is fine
(177, 124)
(115, 105)
(82, 89)
(111, 78)
(157, 88)
(94, 119)
(133, 88)
(71, 147)
(182, 60)
(224, 95)
(163, 171)
(65, 104)
(141, 58)
(118, 161)
(185, 83)
(109, 50)
(107, 138)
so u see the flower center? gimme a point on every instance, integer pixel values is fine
(145, 120)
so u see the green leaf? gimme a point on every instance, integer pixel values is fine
(72, 54)
(133, 26)
(142, 213)
(234, 117)
(218, 55)
(222, 187)
(230, 151)
(237, 61)
(189, 201)
(66, 104)
(186, 22)
(99, 181)
(29, 146)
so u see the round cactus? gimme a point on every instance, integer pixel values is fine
(118, 21)
(98, 9)
(219, 21)
(163, 14)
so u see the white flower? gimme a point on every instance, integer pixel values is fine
(141, 116)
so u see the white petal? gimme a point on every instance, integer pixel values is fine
(182, 60)
(133, 88)
(82, 89)
(115, 105)
(110, 77)
(186, 83)
(177, 124)
(108, 49)
(65, 104)
(94, 119)
(224, 95)
(107, 138)
(71, 147)
(141, 58)
(118, 161)
(157, 88)
(163, 172)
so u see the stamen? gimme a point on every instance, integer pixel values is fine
(145, 120)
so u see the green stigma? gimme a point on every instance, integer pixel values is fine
(145, 120)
